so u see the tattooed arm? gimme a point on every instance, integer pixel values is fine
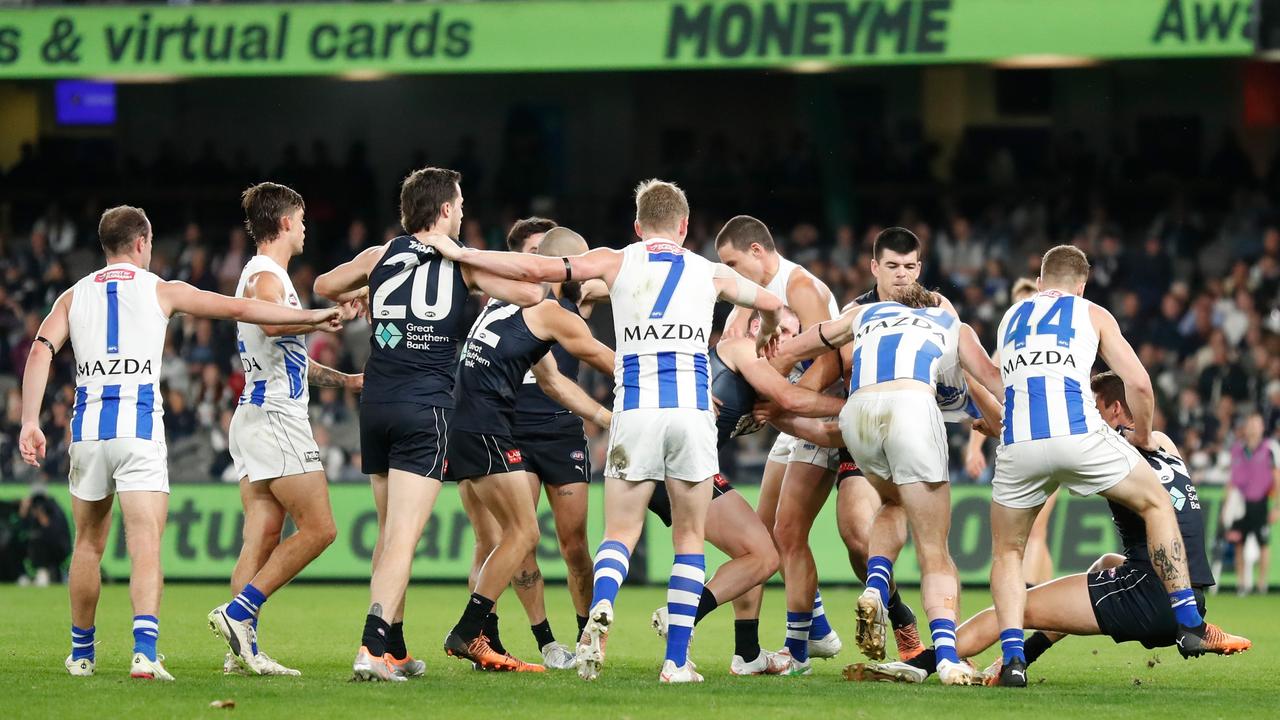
(323, 376)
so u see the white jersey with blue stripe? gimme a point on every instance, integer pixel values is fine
(662, 300)
(275, 368)
(895, 342)
(1047, 349)
(117, 336)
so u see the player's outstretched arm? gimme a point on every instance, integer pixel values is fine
(825, 433)
(600, 263)
(975, 361)
(732, 287)
(50, 338)
(516, 292)
(739, 354)
(1120, 357)
(551, 322)
(325, 376)
(179, 297)
(567, 393)
(339, 283)
(821, 338)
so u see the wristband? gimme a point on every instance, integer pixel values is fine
(823, 338)
(42, 339)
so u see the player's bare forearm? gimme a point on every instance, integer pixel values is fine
(817, 340)
(350, 276)
(572, 397)
(324, 376)
(35, 380)
(515, 266)
(283, 330)
(825, 433)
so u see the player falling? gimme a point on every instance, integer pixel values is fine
(117, 318)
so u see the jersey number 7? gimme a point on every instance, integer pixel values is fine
(668, 287)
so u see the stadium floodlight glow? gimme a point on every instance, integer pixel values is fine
(145, 79)
(811, 66)
(364, 75)
(1046, 61)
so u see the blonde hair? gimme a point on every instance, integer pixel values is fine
(660, 206)
(1024, 287)
(915, 296)
(1065, 263)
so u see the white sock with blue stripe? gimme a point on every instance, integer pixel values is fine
(82, 643)
(613, 561)
(146, 632)
(684, 590)
(820, 627)
(798, 625)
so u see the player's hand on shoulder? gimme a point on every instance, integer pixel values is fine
(31, 444)
(444, 245)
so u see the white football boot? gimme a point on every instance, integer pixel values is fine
(958, 673)
(146, 669)
(367, 668)
(556, 656)
(80, 668)
(873, 623)
(683, 674)
(828, 647)
(590, 656)
(897, 671)
(239, 636)
(792, 665)
(766, 663)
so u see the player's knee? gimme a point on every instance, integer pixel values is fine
(322, 533)
(790, 536)
(767, 559)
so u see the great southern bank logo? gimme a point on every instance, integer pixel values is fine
(387, 335)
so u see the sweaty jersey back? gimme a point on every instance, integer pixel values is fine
(662, 303)
(895, 342)
(275, 368)
(117, 335)
(417, 299)
(1047, 349)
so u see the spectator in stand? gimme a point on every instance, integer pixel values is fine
(1255, 476)
(57, 228)
(227, 269)
(179, 419)
(1222, 376)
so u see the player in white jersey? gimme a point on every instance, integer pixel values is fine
(1054, 435)
(663, 428)
(893, 427)
(805, 469)
(275, 454)
(116, 318)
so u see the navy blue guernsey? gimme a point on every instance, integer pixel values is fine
(868, 297)
(1176, 480)
(417, 299)
(535, 410)
(735, 398)
(499, 350)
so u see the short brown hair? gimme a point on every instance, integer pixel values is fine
(525, 228)
(120, 226)
(1023, 285)
(743, 230)
(1109, 388)
(660, 205)
(915, 296)
(264, 204)
(423, 193)
(1065, 263)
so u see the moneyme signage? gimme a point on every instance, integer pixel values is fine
(557, 35)
(202, 539)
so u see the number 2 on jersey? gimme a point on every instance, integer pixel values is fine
(668, 287)
(418, 297)
(1056, 322)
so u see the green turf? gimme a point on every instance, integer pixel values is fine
(316, 628)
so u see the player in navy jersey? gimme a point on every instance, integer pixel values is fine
(663, 429)
(417, 302)
(1120, 596)
(275, 454)
(1054, 435)
(893, 427)
(505, 344)
(116, 319)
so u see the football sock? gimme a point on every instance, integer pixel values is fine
(1184, 608)
(684, 591)
(81, 643)
(471, 623)
(542, 633)
(491, 631)
(612, 562)
(944, 639)
(879, 570)
(582, 624)
(1036, 645)
(395, 642)
(706, 604)
(926, 661)
(746, 639)
(1011, 644)
(798, 624)
(247, 604)
(376, 632)
(820, 627)
(900, 614)
(146, 631)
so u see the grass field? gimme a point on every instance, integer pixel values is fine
(316, 627)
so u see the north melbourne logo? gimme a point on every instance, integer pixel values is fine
(387, 335)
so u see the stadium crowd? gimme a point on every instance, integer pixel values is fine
(1195, 283)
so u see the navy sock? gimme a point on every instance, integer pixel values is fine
(395, 642)
(374, 638)
(746, 639)
(900, 614)
(472, 622)
(542, 633)
(491, 632)
(1035, 646)
(706, 604)
(582, 624)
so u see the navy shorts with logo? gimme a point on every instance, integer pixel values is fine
(1131, 605)
(403, 436)
(557, 456)
(473, 454)
(660, 503)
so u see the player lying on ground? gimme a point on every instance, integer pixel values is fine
(274, 451)
(1120, 596)
(117, 319)
(504, 344)
(806, 471)
(894, 430)
(738, 377)
(663, 428)
(418, 302)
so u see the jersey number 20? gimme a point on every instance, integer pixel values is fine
(418, 295)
